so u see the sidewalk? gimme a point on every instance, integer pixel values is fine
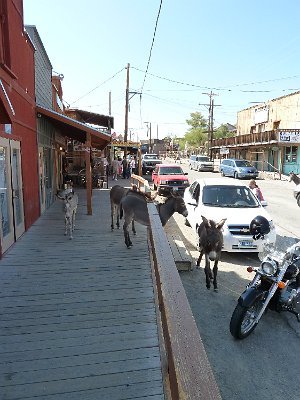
(78, 317)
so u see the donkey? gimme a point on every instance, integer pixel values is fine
(294, 178)
(70, 200)
(70, 208)
(210, 244)
(116, 194)
(134, 206)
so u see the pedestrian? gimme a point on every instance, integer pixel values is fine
(133, 165)
(120, 168)
(125, 167)
(256, 190)
(115, 166)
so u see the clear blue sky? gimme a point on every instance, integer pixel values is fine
(244, 51)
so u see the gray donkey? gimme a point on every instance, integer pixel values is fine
(134, 206)
(210, 244)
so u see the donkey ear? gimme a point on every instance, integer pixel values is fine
(206, 221)
(220, 224)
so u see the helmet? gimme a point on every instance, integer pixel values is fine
(259, 227)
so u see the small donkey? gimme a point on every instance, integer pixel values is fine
(294, 178)
(70, 200)
(210, 244)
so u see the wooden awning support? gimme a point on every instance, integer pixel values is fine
(88, 171)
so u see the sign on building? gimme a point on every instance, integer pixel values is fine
(224, 150)
(289, 137)
(261, 115)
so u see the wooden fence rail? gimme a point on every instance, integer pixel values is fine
(189, 372)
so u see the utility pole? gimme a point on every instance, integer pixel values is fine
(126, 110)
(211, 106)
(149, 130)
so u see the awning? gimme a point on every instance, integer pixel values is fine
(91, 118)
(74, 129)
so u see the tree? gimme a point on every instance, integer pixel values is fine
(222, 132)
(197, 133)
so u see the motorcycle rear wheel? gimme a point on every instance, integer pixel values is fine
(243, 321)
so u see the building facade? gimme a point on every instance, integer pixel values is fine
(268, 134)
(19, 198)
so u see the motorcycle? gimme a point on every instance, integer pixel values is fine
(276, 285)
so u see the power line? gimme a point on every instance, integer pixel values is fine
(152, 45)
(225, 88)
(79, 98)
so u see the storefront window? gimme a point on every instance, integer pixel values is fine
(291, 154)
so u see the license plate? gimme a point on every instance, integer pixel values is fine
(175, 188)
(246, 243)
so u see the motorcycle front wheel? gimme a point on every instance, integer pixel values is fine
(243, 320)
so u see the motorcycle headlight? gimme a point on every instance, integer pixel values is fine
(269, 267)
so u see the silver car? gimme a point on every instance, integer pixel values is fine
(238, 169)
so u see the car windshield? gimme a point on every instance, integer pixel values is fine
(150, 157)
(203, 159)
(243, 163)
(229, 196)
(171, 171)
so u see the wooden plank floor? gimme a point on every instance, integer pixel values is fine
(77, 317)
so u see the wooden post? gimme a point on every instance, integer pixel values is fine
(140, 161)
(88, 172)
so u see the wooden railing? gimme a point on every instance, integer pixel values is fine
(270, 137)
(187, 368)
(141, 183)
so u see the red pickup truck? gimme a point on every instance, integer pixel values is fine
(168, 177)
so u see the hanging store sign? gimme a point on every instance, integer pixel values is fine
(289, 137)
(224, 150)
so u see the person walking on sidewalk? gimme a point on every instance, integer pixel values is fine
(125, 168)
(115, 166)
(256, 190)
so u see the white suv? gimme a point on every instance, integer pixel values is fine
(201, 163)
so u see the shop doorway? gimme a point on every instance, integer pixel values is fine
(11, 193)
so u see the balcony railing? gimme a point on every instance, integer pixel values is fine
(268, 137)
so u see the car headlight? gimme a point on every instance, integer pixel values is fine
(163, 182)
(269, 267)
(185, 182)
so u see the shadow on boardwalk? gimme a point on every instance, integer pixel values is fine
(77, 317)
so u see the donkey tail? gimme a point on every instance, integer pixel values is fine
(121, 211)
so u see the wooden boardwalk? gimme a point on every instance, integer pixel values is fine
(78, 317)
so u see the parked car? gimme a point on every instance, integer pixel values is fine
(200, 163)
(149, 162)
(238, 168)
(217, 199)
(168, 177)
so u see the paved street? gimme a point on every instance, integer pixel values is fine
(263, 365)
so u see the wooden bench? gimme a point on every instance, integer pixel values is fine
(182, 257)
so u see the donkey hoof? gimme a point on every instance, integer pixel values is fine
(207, 287)
(216, 289)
